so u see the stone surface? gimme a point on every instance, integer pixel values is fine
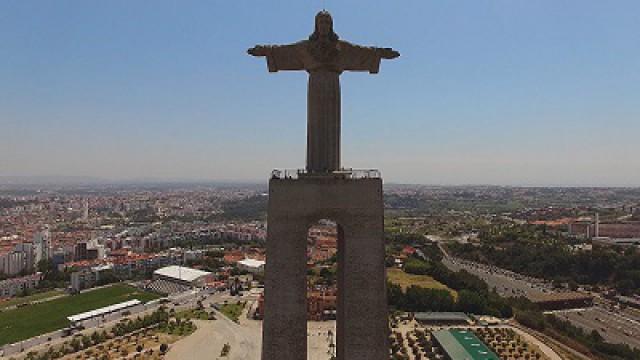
(324, 57)
(357, 207)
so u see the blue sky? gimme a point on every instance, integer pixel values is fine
(485, 92)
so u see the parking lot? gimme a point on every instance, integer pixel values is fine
(506, 283)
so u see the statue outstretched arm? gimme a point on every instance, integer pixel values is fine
(279, 57)
(364, 58)
(387, 53)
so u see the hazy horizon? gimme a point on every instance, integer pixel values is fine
(496, 93)
(44, 180)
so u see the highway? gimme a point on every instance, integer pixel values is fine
(614, 328)
(614, 325)
(506, 283)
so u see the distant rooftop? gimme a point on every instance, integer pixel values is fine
(251, 262)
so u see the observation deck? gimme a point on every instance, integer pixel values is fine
(350, 174)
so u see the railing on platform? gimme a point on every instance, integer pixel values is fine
(342, 173)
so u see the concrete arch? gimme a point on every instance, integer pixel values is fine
(356, 206)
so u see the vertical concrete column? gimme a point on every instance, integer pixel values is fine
(363, 318)
(284, 335)
(340, 321)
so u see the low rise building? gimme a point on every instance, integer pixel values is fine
(322, 305)
(561, 300)
(88, 278)
(442, 318)
(17, 286)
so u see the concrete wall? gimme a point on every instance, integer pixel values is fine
(357, 207)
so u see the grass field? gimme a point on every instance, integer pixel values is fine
(399, 277)
(232, 311)
(25, 322)
(34, 297)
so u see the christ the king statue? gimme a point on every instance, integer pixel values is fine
(324, 57)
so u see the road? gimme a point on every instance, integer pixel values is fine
(506, 283)
(613, 327)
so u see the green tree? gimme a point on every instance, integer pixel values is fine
(471, 302)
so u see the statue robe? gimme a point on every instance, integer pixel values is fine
(323, 95)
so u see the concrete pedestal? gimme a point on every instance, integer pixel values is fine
(356, 205)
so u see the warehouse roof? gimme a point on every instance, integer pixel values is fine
(181, 273)
(463, 345)
(442, 316)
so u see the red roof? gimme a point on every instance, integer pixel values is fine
(409, 250)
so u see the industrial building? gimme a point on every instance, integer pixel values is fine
(594, 229)
(561, 300)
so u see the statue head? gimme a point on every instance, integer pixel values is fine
(324, 27)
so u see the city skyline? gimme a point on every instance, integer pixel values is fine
(505, 93)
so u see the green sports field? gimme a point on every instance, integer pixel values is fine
(25, 322)
(30, 298)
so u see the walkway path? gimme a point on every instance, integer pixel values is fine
(546, 350)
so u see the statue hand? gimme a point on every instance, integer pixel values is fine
(258, 50)
(388, 53)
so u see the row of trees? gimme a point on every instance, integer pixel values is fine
(51, 276)
(418, 299)
(473, 294)
(159, 316)
(534, 251)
